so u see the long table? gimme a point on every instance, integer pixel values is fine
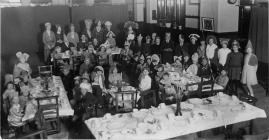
(57, 88)
(161, 123)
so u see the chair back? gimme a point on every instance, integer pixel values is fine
(209, 87)
(48, 108)
(45, 70)
(193, 90)
(123, 95)
(145, 97)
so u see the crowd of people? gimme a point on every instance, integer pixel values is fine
(142, 62)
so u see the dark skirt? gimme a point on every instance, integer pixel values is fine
(234, 73)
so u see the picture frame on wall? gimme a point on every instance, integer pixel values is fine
(194, 1)
(208, 24)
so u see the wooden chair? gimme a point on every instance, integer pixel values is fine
(121, 94)
(209, 87)
(48, 108)
(45, 70)
(146, 95)
(193, 90)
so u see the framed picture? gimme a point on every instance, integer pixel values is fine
(194, 1)
(207, 24)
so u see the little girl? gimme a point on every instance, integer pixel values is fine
(22, 65)
(110, 39)
(193, 68)
(15, 113)
(167, 87)
(249, 76)
(23, 99)
(144, 80)
(8, 95)
(177, 64)
(234, 66)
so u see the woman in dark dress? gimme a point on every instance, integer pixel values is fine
(167, 49)
(59, 35)
(98, 32)
(87, 30)
(156, 48)
(234, 65)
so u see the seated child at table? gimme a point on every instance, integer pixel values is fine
(186, 62)
(15, 113)
(90, 53)
(99, 72)
(177, 64)
(158, 76)
(148, 62)
(144, 80)
(114, 77)
(102, 55)
(8, 95)
(84, 102)
(222, 79)
(193, 68)
(140, 65)
(204, 70)
(166, 86)
(87, 66)
(24, 97)
(110, 39)
(98, 91)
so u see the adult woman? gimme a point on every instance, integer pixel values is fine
(49, 41)
(59, 35)
(114, 77)
(98, 32)
(249, 76)
(72, 36)
(87, 31)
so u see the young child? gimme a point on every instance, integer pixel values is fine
(99, 72)
(110, 39)
(166, 86)
(97, 91)
(148, 62)
(8, 95)
(177, 64)
(204, 70)
(24, 97)
(15, 113)
(87, 66)
(193, 68)
(102, 55)
(90, 53)
(222, 79)
(223, 53)
(249, 76)
(22, 65)
(186, 61)
(144, 80)
(234, 66)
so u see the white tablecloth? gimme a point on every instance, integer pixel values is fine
(160, 123)
(64, 105)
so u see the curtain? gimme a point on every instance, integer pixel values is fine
(258, 32)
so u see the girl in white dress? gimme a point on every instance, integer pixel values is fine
(249, 76)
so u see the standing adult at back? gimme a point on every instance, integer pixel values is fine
(167, 49)
(49, 41)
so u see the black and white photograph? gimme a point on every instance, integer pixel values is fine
(134, 69)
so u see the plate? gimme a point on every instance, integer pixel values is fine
(195, 101)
